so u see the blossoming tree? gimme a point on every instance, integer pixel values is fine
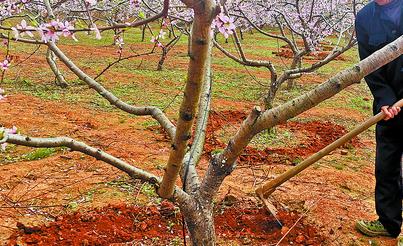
(195, 196)
(303, 27)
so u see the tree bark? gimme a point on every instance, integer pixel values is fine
(59, 80)
(162, 59)
(199, 220)
(205, 12)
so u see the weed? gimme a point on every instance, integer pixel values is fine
(148, 190)
(73, 206)
(176, 241)
(171, 225)
(160, 167)
(217, 151)
(155, 240)
(297, 161)
(337, 164)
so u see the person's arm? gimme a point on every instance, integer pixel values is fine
(384, 95)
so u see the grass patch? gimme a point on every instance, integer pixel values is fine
(274, 138)
(39, 154)
(235, 87)
(359, 104)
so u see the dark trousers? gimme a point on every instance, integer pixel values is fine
(388, 174)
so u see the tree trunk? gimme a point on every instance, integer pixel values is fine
(143, 33)
(200, 222)
(162, 59)
(297, 63)
(269, 99)
(205, 12)
(59, 78)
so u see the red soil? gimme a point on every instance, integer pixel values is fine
(319, 55)
(319, 135)
(123, 223)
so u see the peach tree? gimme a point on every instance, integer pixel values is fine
(46, 22)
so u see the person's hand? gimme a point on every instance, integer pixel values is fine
(390, 112)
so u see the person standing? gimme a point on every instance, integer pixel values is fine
(377, 24)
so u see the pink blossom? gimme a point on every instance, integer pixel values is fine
(53, 30)
(21, 29)
(48, 33)
(162, 34)
(119, 41)
(12, 130)
(67, 28)
(91, 2)
(135, 3)
(166, 22)
(158, 43)
(224, 24)
(5, 64)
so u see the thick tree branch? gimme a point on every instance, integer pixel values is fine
(190, 178)
(257, 122)
(135, 173)
(199, 52)
(246, 62)
(155, 112)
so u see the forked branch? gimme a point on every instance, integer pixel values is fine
(223, 164)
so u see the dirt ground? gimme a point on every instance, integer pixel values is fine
(71, 199)
(329, 199)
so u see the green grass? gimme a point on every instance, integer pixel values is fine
(149, 123)
(39, 154)
(234, 87)
(148, 190)
(145, 86)
(273, 138)
(358, 103)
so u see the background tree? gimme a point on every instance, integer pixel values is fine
(319, 29)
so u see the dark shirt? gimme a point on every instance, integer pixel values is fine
(392, 11)
(374, 31)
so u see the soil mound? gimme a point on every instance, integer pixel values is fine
(158, 225)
